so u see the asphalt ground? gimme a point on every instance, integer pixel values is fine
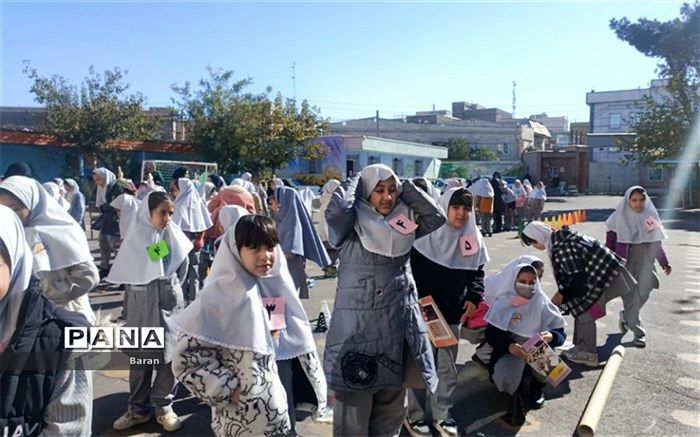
(656, 391)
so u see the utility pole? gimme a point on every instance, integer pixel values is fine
(294, 80)
(377, 122)
(514, 99)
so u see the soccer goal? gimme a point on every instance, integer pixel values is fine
(198, 170)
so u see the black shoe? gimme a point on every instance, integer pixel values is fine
(480, 362)
(536, 394)
(515, 416)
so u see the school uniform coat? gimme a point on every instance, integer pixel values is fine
(376, 308)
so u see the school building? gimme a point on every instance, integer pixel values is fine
(348, 154)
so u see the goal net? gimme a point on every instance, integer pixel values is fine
(198, 171)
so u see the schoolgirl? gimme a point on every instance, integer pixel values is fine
(520, 203)
(535, 202)
(483, 204)
(108, 222)
(377, 344)
(635, 233)
(326, 194)
(55, 400)
(62, 259)
(298, 237)
(127, 207)
(453, 276)
(588, 275)
(149, 261)
(515, 316)
(76, 199)
(191, 215)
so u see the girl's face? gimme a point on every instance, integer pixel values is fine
(540, 273)
(537, 245)
(258, 262)
(274, 205)
(17, 206)
(98, 180)
(162, 214)
(458, 215)
(383, 197)
(637, 201)
(67, 187)
(525, 284)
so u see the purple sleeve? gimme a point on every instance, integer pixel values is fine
(661, 255)
(611, 240)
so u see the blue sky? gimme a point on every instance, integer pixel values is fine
(351, 58)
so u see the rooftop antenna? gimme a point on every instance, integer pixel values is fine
(514, 99)
(294, 80)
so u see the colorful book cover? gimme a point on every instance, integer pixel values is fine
(439, 331)
(545, 361)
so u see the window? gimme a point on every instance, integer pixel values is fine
(372, 160)
(315, 166)
(418, 168)
(615, 121)
(397, 166)
(656, 174)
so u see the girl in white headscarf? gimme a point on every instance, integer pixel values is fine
(453, 275)
(127, 207)
(207, 191)
(192, 216)
(588, 275)
(535, 202)
(31, 325)
(108, 222)
(63, 262)
(635, 232)
(521, 214)
(515, 316)
(326, 194)
(76, 199)
(55, 192)
(149, 260)
(226, 353)
(483, 204)
(377, 344)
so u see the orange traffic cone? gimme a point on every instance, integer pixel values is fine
(584, 215)
(574, 217)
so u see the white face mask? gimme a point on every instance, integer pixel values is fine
(525, 290)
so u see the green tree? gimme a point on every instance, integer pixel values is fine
(458, 149)
(242, 130)
(664, 121)
(97, 112)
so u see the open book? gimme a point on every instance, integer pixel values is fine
(545, 361)
(439, 331)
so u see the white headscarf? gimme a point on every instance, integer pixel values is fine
(537, 315)
(629, 225)
(247, 185)
(442, 246)
(55, 192)
(109, 179)
(132, 264)
(191, 213)
(307, 196)
(326, 196)
(49, 225)
(12, 236)
(376, 235)
(432, 191)
(74, 189)
(229, 311)
(246, 176)
(541, 233)
(129, 206)
(518, 188)
(498, 284)
(205, 190)
(481, 188)
(538, 193)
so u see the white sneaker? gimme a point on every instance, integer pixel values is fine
(447, 428)
(129, 419)
(324, 416)
(169, 421)
(418, 428)
(588, 359)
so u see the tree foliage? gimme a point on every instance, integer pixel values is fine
(458, 149)
(96, 112)
(665, 119)
(243, 130)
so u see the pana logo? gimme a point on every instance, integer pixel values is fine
(96, 337)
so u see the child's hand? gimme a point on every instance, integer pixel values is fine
(235, 395)
(667, 270)
(516, 350)
(558, 298)
(547, 336)
(468, 308)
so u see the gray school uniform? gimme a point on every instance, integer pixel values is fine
(69, 287)
(148, 306)
(377, 343)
